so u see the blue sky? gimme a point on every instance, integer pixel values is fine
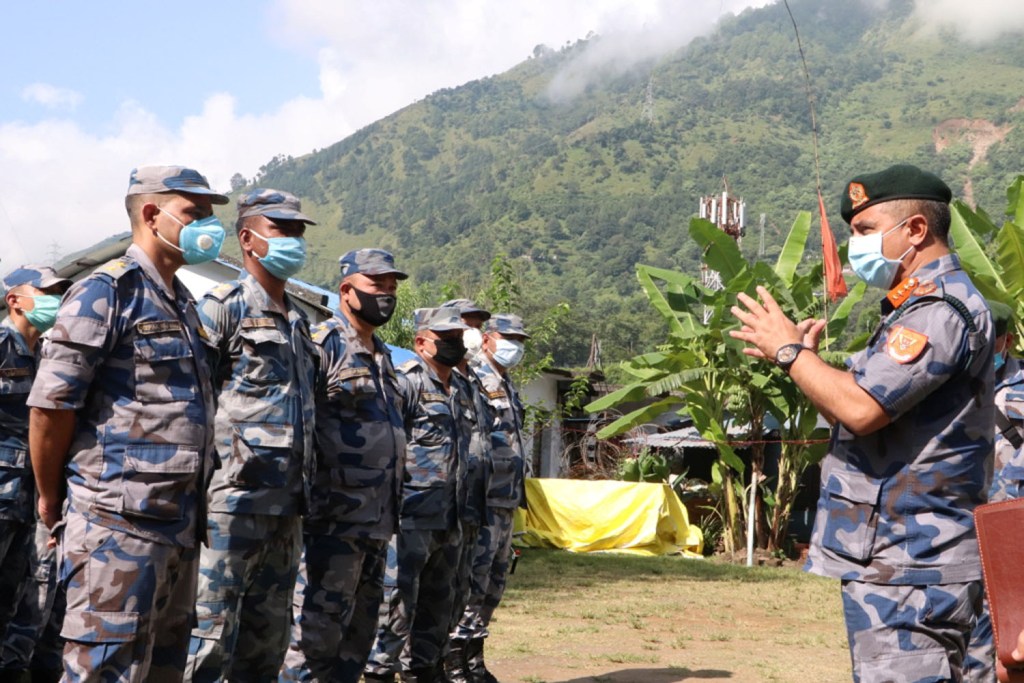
(91, 89)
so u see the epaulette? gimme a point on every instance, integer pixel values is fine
(322, 330)
(116, 268)
(221, 291)
(408, 366)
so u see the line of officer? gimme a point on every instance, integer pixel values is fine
(357, 480)
(416, 612)
(122, 415)
(27, 562)
(263, 365)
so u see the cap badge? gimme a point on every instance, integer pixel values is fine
(858, 195)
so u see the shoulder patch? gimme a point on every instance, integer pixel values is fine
(15, 372)
(352, 373)
(433, 396)
(258, 323)
(158, 326)
(222, 290)
(408, 365)
(500, 393)
(904, 345)
(117, 267)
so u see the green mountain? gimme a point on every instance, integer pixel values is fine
(577, 190)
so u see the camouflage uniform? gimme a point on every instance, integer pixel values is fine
(264, 374)
(422, 557)
(894, 519)
(353, 507)
(126, 356)
(1007, 481)
(17, 486)
(504, 494)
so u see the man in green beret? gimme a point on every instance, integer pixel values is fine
(913, 421)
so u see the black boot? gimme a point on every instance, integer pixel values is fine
(421, 675)
(475, 666)
(455, 661)
(378, 678)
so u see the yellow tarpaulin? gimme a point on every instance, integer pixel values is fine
(617, 516)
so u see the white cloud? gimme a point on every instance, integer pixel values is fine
(978, 21)
(51, 96)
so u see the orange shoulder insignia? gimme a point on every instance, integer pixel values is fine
(898, 295)
(925, 288)
(904, 345)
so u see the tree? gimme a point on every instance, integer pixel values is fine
(237, 182)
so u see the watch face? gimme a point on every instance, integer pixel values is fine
(787, 354)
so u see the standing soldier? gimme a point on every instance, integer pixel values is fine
(32, 298)
(122, 412)
(477, 423)
(912, 427)
(356, 489)
(1008, 470)
(262, 361)
(422, 557)
(503, 348)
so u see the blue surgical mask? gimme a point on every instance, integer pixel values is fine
(44, 311)
(868, 261)
(199, 241)
(1000, 360)
(285, 255)
(508, 353)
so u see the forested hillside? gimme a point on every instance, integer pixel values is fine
(577, 190)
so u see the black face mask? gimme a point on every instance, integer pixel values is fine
(449, 352)
(375, 309)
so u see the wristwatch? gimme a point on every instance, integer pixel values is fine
(786, 355)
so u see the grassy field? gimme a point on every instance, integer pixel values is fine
(571, 618)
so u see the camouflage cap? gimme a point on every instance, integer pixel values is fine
(507, 324)
(159, 179)
(467, 307)
(40, 277)
(272, 204)
(369, 262)
(1002, 316)
(901, 181)
(442, 319)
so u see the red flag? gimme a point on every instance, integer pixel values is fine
(835, 285)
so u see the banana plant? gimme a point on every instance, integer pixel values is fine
(701, 367)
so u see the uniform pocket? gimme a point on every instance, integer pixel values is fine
(425, 501)
(356, 495)
(156, 480)
(164, 370)
(260, 454)
(501, 486)
(266, 352)
(13, 462)
(852, 520)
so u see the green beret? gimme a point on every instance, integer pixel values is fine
(1002, 316)
(901, 181)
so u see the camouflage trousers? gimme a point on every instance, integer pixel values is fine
(910, 634)
(489, 574)
(337, 597)
(979, 666)
(15, 552)
(130, 604)
(33, 635)
(464, 572)
(243, 608)
(419, 587)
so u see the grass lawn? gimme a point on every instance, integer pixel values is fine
(577, 618)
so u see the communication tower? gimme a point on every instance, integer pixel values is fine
(729, 215)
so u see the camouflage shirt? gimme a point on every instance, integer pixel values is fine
(262, 360)
(507, 470)
(17, 368)
(1008, 469)
(125, 355)
(475, 432)
(434, 458)
(896, 505)
(360, 441)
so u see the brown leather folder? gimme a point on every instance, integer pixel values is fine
(1000, 529)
